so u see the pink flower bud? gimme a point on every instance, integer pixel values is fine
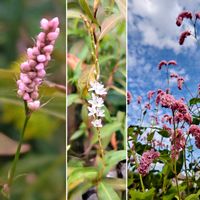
(41, 73)
(30, 53)
(36, 51)
(32, 75)
(25, 79)
(25, 67)
(44, 23)
(41, 58)
(32, 63)
(48, 57)
(35, 105)
(48, 49)
(54, 23)
(52, 35)
(20, 93)
(41, 37)
(26, 97)
(34, 95)
(40, 66)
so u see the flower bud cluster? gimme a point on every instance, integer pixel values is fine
(96, 103)
(147, 158)
(178, 143)
(33, 70)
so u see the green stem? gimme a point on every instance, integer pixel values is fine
(100, 143)
(141, 182)
(176, 178)
(186, 171)
(11, 173)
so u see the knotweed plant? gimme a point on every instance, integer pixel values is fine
(163, 141)
(32, 75)
(97, 98)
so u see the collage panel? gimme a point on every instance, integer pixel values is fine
(96, 140)
(32, 100)
(163, 111)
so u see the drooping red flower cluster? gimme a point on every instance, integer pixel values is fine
(183, 36)
(147, 158)
(180, 80)
(181, 16)
(129, 97)
(164, 62)
(195, 131)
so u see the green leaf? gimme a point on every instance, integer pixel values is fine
(137, 195)
(194, 101)
(112, 158)
(150, 136)
(107, 130)
(74, 14)
(77, 134)
(164, 133)
(79, 191)
(80, 175)
(116, 183)
(108, 24)
(85, 6)
(72, 98)
(106, 192)
(193, 196)
(122, 6)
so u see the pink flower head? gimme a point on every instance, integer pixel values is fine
(150, 94)
(172, 62)
(195, 131)
(173, 75)
(161, 63)
(181, 16)
(180, 81)
(183, 36)
(129, 97)
(148, 106)
(147, 158)
(178, 143)
(33, 70)
(139, 99)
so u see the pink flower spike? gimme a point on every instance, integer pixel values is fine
(183, 36)
(181, 16)
(172, 62)
(139, 99)
(129, 97)
(150, 94)
(44, 23)
(180, 81)
(162, 62)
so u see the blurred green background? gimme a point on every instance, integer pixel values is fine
(42, 168)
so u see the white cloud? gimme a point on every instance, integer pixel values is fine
(156, 22)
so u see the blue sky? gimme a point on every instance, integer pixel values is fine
(153, 36)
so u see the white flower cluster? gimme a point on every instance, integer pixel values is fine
(96, 103)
